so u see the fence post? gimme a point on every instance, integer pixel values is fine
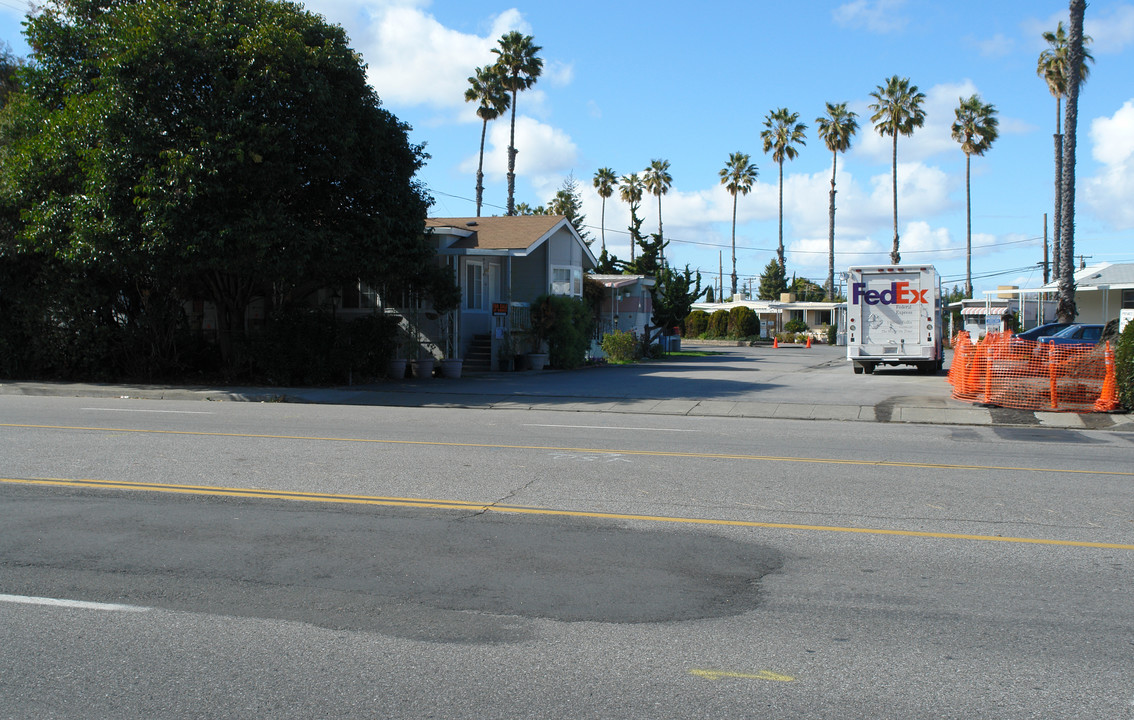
(1053, 376)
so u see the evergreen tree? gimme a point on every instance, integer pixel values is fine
(773, 281)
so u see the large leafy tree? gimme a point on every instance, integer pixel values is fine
(1065, 302)
(486, 89)
(782, 132)
(657, 181)
(897, 111)
(211, 149)
(630, 189)
(519, 67)
(9, 64)
(836, 129)
(738, 175)
(605, 181)
(1054, 69)
(975, 128)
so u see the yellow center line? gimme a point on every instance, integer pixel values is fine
(594, 451)
(523, 510)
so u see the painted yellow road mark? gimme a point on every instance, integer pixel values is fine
(722, 674)
(596, 451)
(220, 491)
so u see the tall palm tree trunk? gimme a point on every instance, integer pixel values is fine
(734, 243)
(968, 230)
(660, 236)
(895, 256)
(1057, 230)
(780, 247)
(1066, 310)
(480, 170)
(512, 160)
(602, 223)
(831, 231)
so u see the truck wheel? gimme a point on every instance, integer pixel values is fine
(857, 369)
(868, 368)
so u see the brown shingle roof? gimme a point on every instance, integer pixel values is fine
(516, 232)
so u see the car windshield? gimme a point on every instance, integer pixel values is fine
(1069, 332)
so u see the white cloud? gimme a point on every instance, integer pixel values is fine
(1108, 193)
(545, 155)
(1111, 30)
(996, 46)
(413, 58)
(877, 16)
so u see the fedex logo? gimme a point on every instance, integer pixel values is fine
(900, 293)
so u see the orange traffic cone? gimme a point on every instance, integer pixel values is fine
(809, 341)
(1108, 398)
(775, 342)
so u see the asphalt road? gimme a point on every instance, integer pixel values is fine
(316, 561)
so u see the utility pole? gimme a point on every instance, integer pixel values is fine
(1045, 273)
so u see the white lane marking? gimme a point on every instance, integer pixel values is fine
(607, 427)
(174, 412)
(77, 604)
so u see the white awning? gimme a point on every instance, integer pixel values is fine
(995, 310)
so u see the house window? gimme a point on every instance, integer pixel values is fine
(359, 296)
(796, 315)
(567, 281)
(474, 286)
(1127, 299)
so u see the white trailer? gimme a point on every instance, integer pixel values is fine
(894, 318)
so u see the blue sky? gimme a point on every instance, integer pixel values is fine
(628, 82)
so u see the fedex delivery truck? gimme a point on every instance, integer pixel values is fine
(894, 318)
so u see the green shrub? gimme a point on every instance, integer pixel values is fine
(620, 346)
(696, 323)
(565, 323)
(795, 326)
(307, 347)
(832, 334)
(718, 324)
(1124, 366)
(742, 322)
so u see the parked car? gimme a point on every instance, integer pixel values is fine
(1077, 334)
(1041, 331)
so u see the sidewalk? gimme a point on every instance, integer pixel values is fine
(737, 383)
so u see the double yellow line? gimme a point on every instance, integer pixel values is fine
(522, 510)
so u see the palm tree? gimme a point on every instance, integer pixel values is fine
(783, 131)
(738, 176)
(897, 112)
(487, 89)
(976, 128)
(1053, 68)
(657, 181)
(1065, 302)
(605, 182)
(519, 69)
(630, 190)
(836, 129)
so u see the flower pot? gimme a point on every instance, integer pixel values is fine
(537, 361)
(396, 369)
(423, 368)
(451, 368)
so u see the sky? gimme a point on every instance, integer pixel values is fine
(628, 82)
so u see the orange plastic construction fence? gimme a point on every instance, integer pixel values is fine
(1006, 371)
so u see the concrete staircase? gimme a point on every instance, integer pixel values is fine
(478, 359)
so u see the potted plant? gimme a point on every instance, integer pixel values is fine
(451, 368)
